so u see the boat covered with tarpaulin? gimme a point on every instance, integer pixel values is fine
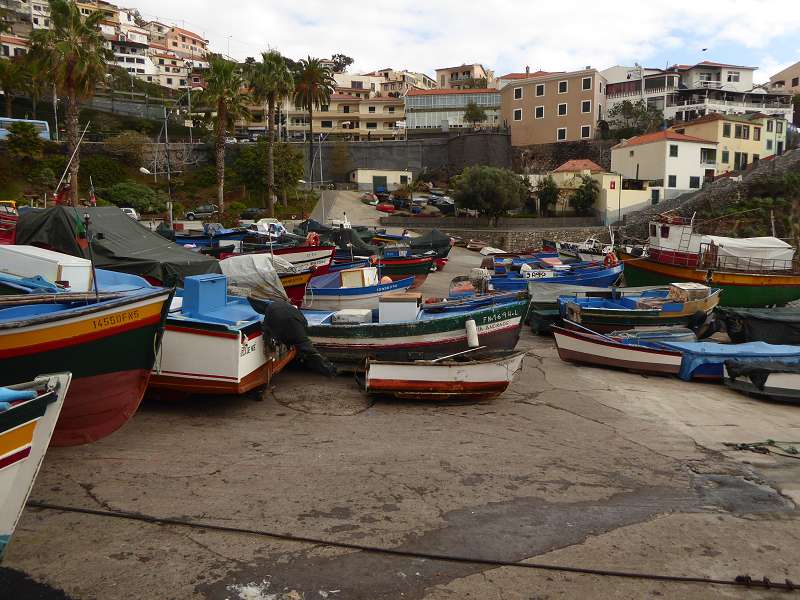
(777, 325)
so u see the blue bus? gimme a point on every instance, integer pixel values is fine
(43, 127)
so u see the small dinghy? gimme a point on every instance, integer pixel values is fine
(773, 380)
(350, 288)
(28, 415)
(461, 376)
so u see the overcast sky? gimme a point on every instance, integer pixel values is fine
(505, 35)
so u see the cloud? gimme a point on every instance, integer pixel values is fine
(505, 34)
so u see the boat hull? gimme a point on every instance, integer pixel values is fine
(780, 387)
(498, 329)
(366, 297)
(590, 349)
(738, 289)
(25, 432)
(294, 284)
(109, 350)
(593, 278)
(398, 269)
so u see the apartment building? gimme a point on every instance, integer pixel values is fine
(12, 45)
(185, 43)
(656, 87)
(437, 110)
(741, 139)
(559, 107)
(670, 163)
(787, 80)
(360, 86)
(465, 76)
(393, 82)
(509, 78)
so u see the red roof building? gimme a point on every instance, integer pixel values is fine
(578, 165)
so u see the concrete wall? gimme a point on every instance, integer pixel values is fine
(517, 241)
(482, 223)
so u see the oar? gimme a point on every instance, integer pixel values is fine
(15, 299)
(592, 331)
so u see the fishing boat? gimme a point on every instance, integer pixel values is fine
(462, 376)
(777, 325)
(401, 331)
(351, 288)
(705, 360)
(213, 234)
(470, 292)
(293, 280)
(594, 349)
(8, 223)
(591, 249)
(316, 258)
(764, 379)
(682, 304)
(751, 272)
(343, 265)
(28, 415)
(213, 343)
(402, 267)
(105, 336)
(593, 275)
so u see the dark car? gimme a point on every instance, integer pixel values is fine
(202, 212)
(252, 214)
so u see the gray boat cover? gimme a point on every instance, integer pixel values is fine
(256, 275)
(119, 244)
(758, 371)
(772, 325)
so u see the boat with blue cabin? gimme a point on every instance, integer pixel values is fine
(350, 288)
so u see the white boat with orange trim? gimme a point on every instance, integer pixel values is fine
(28, 415)
(459, 376)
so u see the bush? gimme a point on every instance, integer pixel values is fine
(42, 178)
(23, 141)
(103, 170)
(129, 146)
(132, 194)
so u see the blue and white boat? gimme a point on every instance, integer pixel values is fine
(213, 235)
(351, 288)
(595, 275)
(706, 360)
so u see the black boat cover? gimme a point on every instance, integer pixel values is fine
(308, 225)
(758, 371)
(342, 238)
(433, 240)
(119, 243)
(772, 325)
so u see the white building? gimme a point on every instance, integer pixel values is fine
(670, 163)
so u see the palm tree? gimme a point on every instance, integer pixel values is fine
(225, 96)
(36, 81)
(271, 81)
(74, 55)
(313, 87)
(11, 80)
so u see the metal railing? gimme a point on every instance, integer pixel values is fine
(711, 259)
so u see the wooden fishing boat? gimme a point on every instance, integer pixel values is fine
(214, 344)
(213, 234)
(683, 304)
(107, 342)
(584, 275)
(447, 378)
(593, 349)
(352, 288)
(295, 285)
(401, 267)
(750, 272)
(8, 223)
(401, 331)
(28, 415)
(768, 379)
(316, 258)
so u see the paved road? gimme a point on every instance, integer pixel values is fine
(572, 466)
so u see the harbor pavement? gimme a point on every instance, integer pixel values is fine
(572, 466)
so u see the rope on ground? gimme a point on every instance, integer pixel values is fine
(787, 449)
(739, 581)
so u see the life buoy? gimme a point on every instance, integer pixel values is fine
(610, 260)
(312, 239)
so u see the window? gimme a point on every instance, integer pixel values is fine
(403, 179)
(733, 76)
(518, 93)
(586, 83)
(672, 181)
(757, 133)
(778, 126)
(652, 230)
(630, 153)
(169, 80)
(371, 109)
(518, 114)
(326, 124)
(562, 87)
(324, 108)
(756, 157)
(539, 89)
(586, 132)
(665, 231)
(769, 125)
(175, 44)
(769, 144)
(586, 106)
(795, 81)
(539, 112)
(562, 109)
(140, 70)
(183, 83)
(673, 150)
(737, 132)
(372, 125)
(694, 182)
(561, 134)
(726, 130)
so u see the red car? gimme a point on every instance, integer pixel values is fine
(386, 207)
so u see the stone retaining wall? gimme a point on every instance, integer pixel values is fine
(518, 240)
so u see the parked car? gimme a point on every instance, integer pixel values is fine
(230, 140)
(131, 213)
(386, 207)
(252, 214)
(202, 212)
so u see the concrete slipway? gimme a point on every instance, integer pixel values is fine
(572, 466)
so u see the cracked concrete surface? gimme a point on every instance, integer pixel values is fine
(576, 466)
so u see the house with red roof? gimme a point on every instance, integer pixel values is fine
(668, 162)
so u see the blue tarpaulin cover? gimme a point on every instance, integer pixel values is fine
(696, 354)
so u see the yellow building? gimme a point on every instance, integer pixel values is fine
(741, 139)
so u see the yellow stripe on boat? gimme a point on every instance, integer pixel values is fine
(17, 438)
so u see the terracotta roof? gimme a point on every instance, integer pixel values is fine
(660, 136)
(720, 117)
(388, 100)
(442, 92)
(582, 164)
(462, 66)
(527, 75)
(187, 33)
(12, 39)
(344, 97)
(708, 63)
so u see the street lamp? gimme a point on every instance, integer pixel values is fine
(146, 171)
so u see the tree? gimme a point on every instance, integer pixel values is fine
(249, 168)
(489, 190)
(225, 96)
(36, 81)
(313, 87)
(271, 82)
(74, 55)
(341, 62)
(474, 114)
(585, 195)
(23, 141)
(547, 192)
(12, 80)
(636, 117)
(475, 83)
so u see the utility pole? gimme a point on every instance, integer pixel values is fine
(55, 109)
(169, 170)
